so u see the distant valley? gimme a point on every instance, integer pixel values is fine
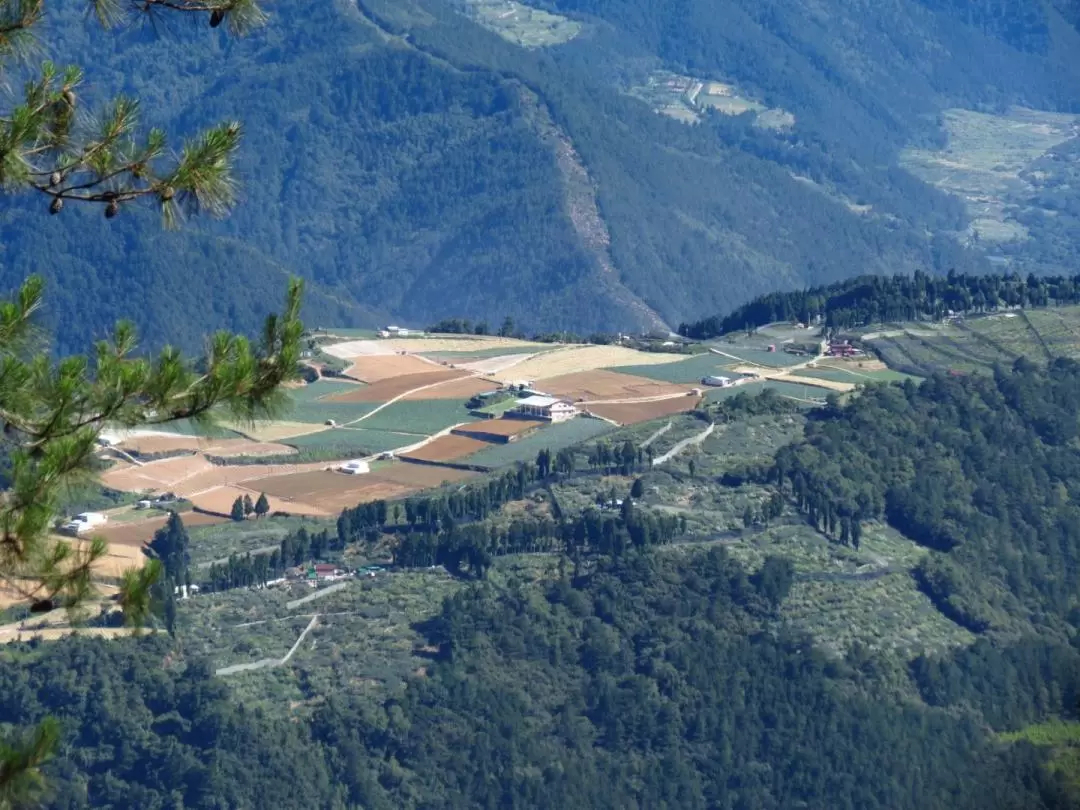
(422, 159)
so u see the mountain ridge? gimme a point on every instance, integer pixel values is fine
(392, 159)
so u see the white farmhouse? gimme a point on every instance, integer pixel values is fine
(549, 408)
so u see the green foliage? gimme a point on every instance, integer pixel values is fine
(979, 470)
(877, 299)
(187, 740)
(550, 437)
(443, 140)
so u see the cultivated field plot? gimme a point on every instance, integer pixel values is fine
(630, 413)
(220, 500)
(685, 370)
(275, 432)
(606, 385)
(793, 390)
(329, 491)
(373, 368)
(120, 557)
(498, 427)
(851, 375)
(572, 359)
(420, 476)
(448, 448)
(521, 24)
(423, 417)
(462, 389)
(215, 543)
(344, 442)
(188, 475)
(351, 349)
(225, 448)
(391, 387)
(155, 475)
(498, 352)
(553, 438)
(136, 532)
(316, 402)
(984, 163)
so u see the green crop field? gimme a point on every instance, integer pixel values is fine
(422, 417)
(345, 441)
(551, 437)
(689, 371)
(978, 343)
(308, 404)
(187, 427)
(787, 389)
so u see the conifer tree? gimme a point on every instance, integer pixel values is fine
(262, 506)
(53, 411)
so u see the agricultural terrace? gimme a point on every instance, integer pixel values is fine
(631, 413)
(575, 359)
(448, 448)
(977, 344)
(602, 385)
(551, 437)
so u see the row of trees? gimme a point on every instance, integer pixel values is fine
(243, 507)
(472, 547)
(881, 299)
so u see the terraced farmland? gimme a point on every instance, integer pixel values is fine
(551, 437)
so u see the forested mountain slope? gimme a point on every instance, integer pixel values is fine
(414, 164)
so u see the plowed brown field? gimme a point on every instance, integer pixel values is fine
(330, 490)
(447, 448)
(634, 412)
(137, 532)
(421, 476)
(601, 384)
(374, 368)
(498, 427)
(463, 389)
(221, 499)
(189, 475)
(391, 387)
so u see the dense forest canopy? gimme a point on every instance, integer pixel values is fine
(867, 300)
(655, 682)
(981, 470)
(424, 167)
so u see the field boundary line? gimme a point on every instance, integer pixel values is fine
(696, 439)
(270, 662)
(311, 597)
(657, 434)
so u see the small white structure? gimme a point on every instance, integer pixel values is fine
(396, 331)
(721, 382)
(355, 467)
(143, 504)
(549, 408)
(84, 522)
